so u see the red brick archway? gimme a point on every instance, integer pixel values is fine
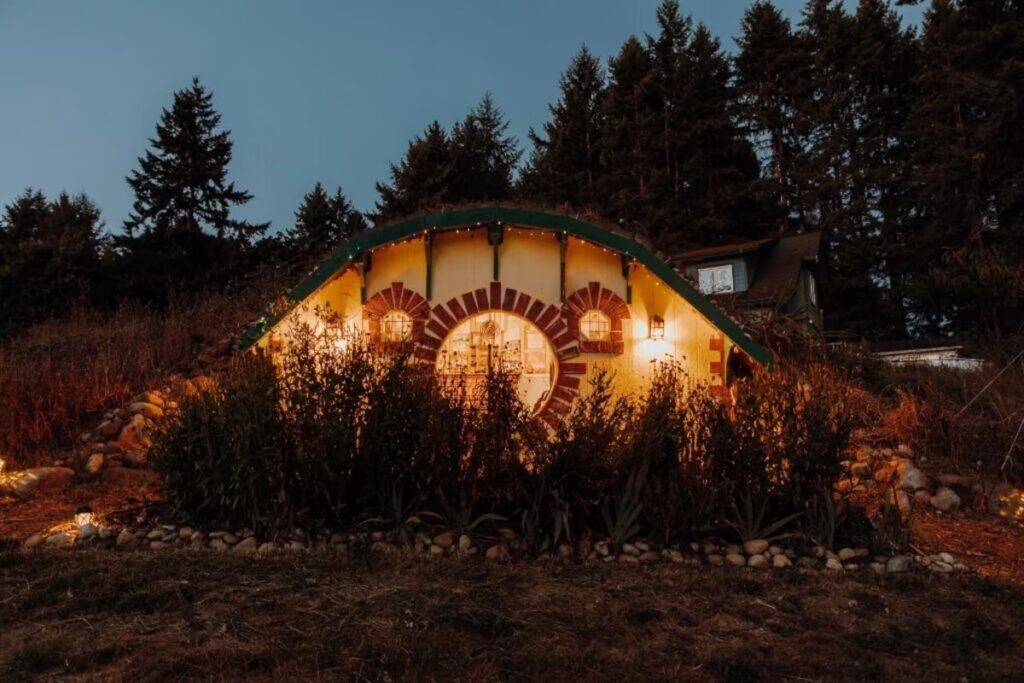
(397, 298)
(596, 297)
(549, 319)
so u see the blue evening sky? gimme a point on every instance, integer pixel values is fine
(328, 91)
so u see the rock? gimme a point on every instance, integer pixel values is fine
(807, 562)
(736, 560)
(715, 560)
(507, 534)
(649, 556)
(955, 481)
(602, 548)
(218, 544)
(58, 541)
(33, 541)
(708, 548)
(897, 564)
(86, 532)
(136, 458)
(150, 397)
(642, 546)
(947, 558)
(246, 545)
(940, 567)
(445, 540)
(148, 409)
(946, 500)
(774, 550)
(497, 553)
(847, 554)
(266, 548)
(564, 551)
(158, 545)
(185, 533)
(383, 547)
(155, 534)
(377, 536)
(42, 479)
(126, 540)
(758, 561)
(833, 564)
(229, 538)
(436, 550)
(779, 561)
(465, 543)
(673, 555)
(630, 549)
(733, 549)
(878, 567)
(913, 479)
(94, 464)
(629, 559)
(755, 547)
(197, 537)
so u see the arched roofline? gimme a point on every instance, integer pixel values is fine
(443, 221)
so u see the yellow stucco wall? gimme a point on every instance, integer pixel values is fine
(529, 263)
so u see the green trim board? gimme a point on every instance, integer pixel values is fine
(483, 216)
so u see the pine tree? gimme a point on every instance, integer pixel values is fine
(322, 223)
(181, 235)
(49, 257)
(630, 137)
(967, 163)
(565, 164)
(181, 184)
(420, 180)
(717, 163)
(483, 155)
(770, 68)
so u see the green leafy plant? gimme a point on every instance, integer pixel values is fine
(825, 518)
(749, 522)
(622, 513)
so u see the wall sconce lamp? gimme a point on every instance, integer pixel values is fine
(657, 330)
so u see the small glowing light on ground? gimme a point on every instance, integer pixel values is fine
(83, 515)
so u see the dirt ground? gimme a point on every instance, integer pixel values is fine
(212, 616)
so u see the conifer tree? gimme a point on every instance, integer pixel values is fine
(483, 155)
(322, 223)
(49, 257)
(422, 179)
(770, 67)
(565, 164)
(181, 235)
(631, 132)
(181, 183)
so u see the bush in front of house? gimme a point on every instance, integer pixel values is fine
(331, 435)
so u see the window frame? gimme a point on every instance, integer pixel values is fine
(592, 315)
(406, 323)
(730, 268)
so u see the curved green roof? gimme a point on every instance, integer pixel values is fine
(524, 218)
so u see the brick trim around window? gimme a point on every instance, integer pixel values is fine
(592, 297)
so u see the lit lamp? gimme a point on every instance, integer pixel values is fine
(657, 327)
(83, 515)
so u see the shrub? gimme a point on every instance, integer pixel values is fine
(335, 433)
(220, 458)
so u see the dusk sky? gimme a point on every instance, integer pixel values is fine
(311, 91)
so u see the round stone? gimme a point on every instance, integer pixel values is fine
(755, 547)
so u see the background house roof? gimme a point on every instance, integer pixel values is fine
(777, 272)
(444, 221)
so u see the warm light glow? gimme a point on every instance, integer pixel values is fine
(83, 516)
(657, 331)
(595, 326)
(396, 326)
(3, 464)
(341, 344)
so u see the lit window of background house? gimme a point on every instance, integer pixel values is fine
(716, 279)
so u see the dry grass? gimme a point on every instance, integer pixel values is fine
(149, 616)
(56, 379)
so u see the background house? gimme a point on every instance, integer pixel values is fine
(775, 274)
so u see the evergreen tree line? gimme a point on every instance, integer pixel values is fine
(904, 147)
